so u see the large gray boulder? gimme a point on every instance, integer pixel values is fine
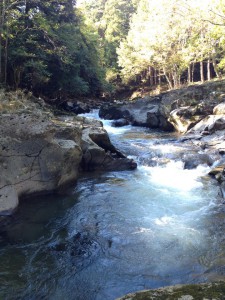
(98, 151)
(41, 153)
(209, 124)
(37, 156)
(178, 109)
(184, 118)
(141, 112)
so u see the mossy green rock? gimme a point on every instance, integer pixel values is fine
(206, 291)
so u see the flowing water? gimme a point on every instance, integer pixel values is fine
(118, 232)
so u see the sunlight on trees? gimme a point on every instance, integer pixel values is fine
(172, 37)
(83, 47)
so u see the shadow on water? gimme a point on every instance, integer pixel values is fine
(117, 232)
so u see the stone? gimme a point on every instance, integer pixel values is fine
(214, 291)
(120, 122)
(100, 154)
(41, 153)
(111, 112)
(192, 161)
(219, 109)
(37, 156)
(184, 118)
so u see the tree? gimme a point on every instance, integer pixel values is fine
(45, 48)
(111, 19)
(170, 38)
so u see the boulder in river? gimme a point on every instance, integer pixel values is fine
(120, 122)
(142, 112)
(98, 151)
(209, 124)
(219, 109)
(180, 109)
(41, 153)
(37, 156)
(184, 118)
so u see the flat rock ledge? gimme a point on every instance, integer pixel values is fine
(205, 291)
(41, 153)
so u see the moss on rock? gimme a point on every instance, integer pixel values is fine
(206, 291)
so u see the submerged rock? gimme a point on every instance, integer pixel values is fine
(192, 161)
(120, 122)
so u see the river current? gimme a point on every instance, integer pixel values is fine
(118, 232)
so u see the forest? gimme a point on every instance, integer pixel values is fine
(60, 48)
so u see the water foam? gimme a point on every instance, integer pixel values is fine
(174, 176)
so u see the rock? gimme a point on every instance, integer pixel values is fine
(179, 109)
(184, 118)
(153, 117)
(217, 170)
(191, 161)
(100, 154)
(222, 187)
(75, 107)
(204, 291)
(36, 156)
(8, 199)
(40, 153)
(120, 123)
(111, 112)
(142, 112)
(219, 109)
(209, 124)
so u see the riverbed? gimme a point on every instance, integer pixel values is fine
(118, 232)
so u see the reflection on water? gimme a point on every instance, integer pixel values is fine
(117, 232)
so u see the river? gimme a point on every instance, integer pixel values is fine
(118, 232)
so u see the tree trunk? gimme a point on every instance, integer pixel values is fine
(168, 79)
(208, 69)
(155, 76)
(6, 54)
(202, 71)
(2, 14)
(17, 76)
(215, 67)
(189, 74)
(192, 72)
(150, 72)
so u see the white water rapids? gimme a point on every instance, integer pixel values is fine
(119, 232)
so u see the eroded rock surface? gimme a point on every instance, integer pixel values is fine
(36, 155)
(41, 153)
(179, 109)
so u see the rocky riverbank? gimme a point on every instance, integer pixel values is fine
(197, 113)
(42, 153)
(215, 291)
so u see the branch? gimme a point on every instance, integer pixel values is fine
(213, 23)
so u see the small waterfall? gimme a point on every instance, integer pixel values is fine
(118, 232)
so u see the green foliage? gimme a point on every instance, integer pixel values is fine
(59, 50)
(111, 19)
(46, 48)
(170, 37)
